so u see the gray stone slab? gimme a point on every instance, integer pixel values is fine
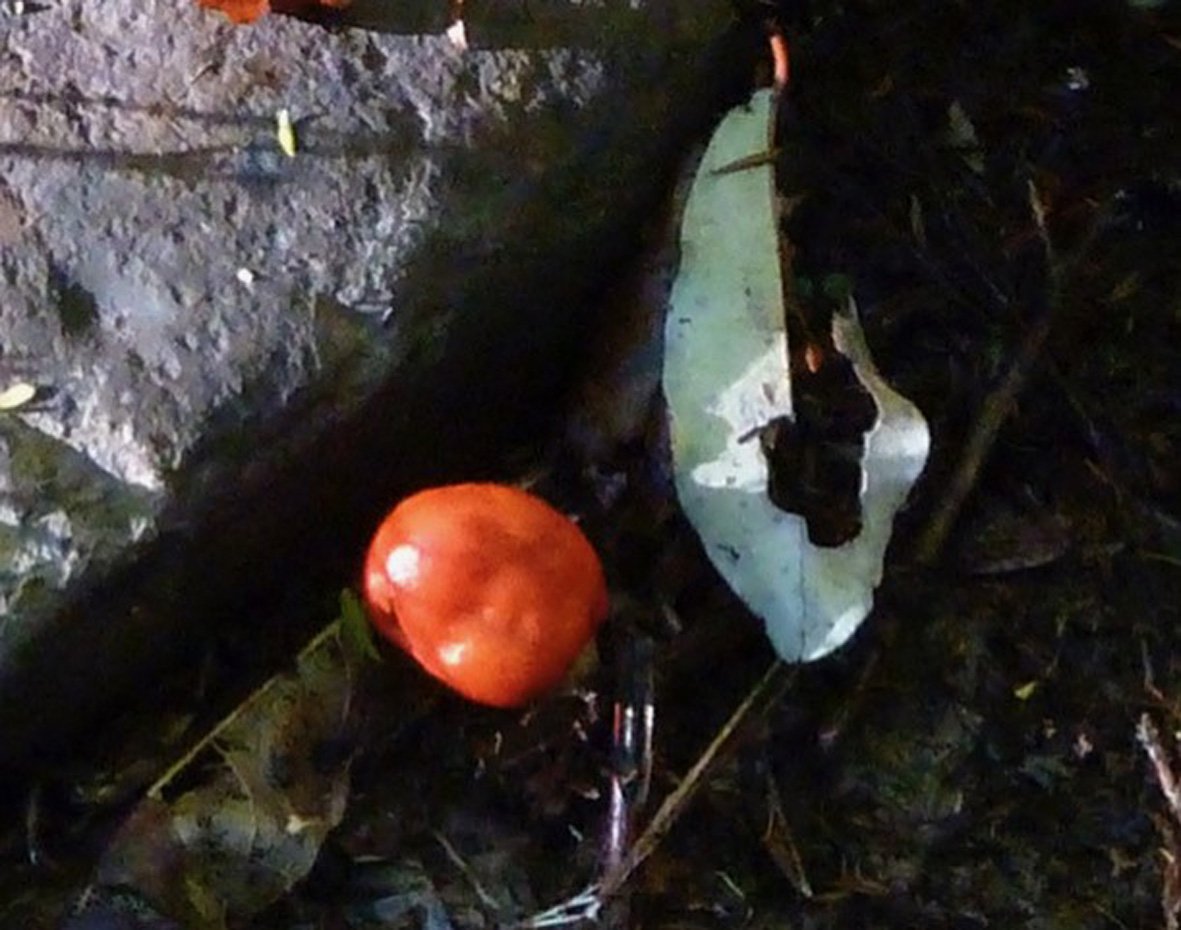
(234, 348)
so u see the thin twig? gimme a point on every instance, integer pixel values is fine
(1149, 737)
(780, 842)
(157, 788)
(33, 812)
(762, 694)
(586, 905)
(1001, 400)
(468, 872)
(1038, 208)
(993, 414)
(747, 162)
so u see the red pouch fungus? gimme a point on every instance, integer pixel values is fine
(247, 11)
(493, 591)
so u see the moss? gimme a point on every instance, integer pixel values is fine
(70, 514)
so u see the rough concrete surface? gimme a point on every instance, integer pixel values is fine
(213, 324)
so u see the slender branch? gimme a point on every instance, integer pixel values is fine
(157, 788)
(995, 411)
(1149, 737)
(1000, 401)
(764, 692)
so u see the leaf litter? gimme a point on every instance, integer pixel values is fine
(253, 827)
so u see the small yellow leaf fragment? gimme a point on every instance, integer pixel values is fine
(285, 132)
(17, 395)
(1025, 692)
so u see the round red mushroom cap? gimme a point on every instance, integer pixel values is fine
(493, 591)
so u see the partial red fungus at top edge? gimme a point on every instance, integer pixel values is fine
(493, 591)
(247, 11)
(239, 11)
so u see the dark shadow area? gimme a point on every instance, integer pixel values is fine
(815, 459)
(76, 306)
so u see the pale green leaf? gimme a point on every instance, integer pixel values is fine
(726, 376)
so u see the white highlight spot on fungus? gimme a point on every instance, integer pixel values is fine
(453, 653)
(403, 564)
